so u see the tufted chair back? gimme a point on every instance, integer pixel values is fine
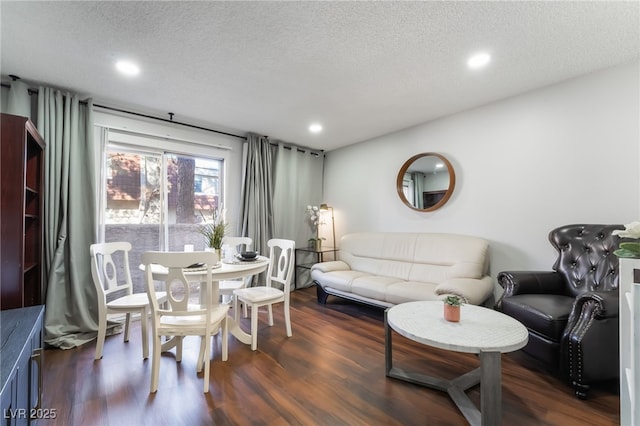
(586, 259)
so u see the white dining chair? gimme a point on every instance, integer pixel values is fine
(227, 287)
(182, 318)
(110, 279)
(280, 272)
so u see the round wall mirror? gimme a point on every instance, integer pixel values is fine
(426, 181)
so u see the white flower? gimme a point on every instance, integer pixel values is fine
(313, 216)
(632, 230)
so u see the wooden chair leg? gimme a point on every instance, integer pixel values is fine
(200, 362)
(235, 307)
(127, 326)
(269, 307)
(254, 327)
(179, 349)
(287, 319)
(207, 361)
(225, 339)
(581, 391)
(145, 333)
(155, 363)
(102, 332)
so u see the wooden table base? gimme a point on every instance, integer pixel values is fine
(488, 375)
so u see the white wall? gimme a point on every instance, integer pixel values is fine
(569, 153)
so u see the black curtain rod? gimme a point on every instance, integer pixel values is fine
(169, 121)
(34, 91)
(317, 153)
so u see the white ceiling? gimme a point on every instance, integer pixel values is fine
(362, 69)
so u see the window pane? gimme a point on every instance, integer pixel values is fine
(133, 208)
(145, 197)
(194, 192)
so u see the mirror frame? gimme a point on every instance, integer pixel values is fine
(403, 171)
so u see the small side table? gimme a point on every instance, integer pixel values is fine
(318, 256)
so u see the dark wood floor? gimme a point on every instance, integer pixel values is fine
(331, 372)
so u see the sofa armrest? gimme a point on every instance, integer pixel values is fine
(605, 302)
(473, 290)
(591, 339)
(334, 265)
(530, 282)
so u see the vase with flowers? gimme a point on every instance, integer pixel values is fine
(629, 249)
(313, 219)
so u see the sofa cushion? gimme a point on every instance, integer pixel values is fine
(341, 280)
(444, 256)
(409, 291)
(543, 313)
(372, 286)
(411, 256)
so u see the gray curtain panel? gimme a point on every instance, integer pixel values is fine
(280, 181)
(298, 183)
(419, 187)
(19, 100)
(70, 218)
(257, 194)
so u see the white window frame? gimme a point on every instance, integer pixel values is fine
(142, 136)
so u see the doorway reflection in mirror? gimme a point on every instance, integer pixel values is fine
(426, 181)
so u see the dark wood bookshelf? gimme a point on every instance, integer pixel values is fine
(21, 179)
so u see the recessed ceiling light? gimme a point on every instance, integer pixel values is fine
(479, 60)
(127, 68)
(315, 128)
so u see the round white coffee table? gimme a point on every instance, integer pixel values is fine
(481, 330)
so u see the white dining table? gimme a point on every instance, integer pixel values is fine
(225, 270)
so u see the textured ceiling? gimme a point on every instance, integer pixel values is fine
(362, 69)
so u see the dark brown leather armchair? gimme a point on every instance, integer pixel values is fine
(571, 312)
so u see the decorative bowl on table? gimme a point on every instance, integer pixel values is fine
(247, 255)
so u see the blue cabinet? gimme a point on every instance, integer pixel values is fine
(21, 364)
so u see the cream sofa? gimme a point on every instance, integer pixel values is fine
(385, 269)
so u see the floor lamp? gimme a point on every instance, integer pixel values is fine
(325, 207)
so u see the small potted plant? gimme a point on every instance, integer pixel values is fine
(214, 231)
(452, 305)
(316, 243)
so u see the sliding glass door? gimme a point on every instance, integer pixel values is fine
(194, 193)
(157, 200)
